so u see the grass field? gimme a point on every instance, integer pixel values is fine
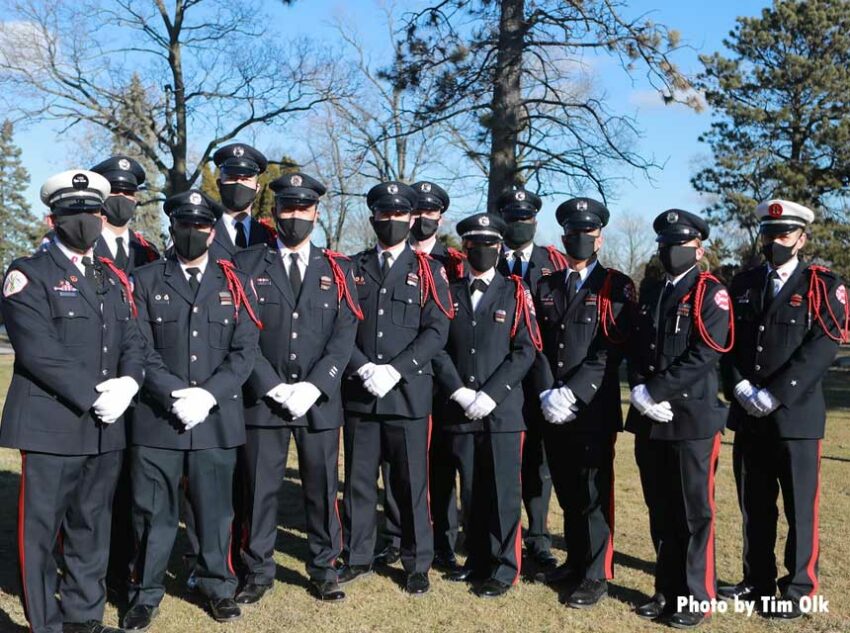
(378, 604)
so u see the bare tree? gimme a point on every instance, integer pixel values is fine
(628, 245)
(206, 66)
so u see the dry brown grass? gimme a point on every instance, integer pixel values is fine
(378, 604)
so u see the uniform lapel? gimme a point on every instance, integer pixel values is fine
(101, 249)
(222, 237)
(369, 264)
(401, 266)
(175, 278)
(591, 285)
(460, 291)
(787, 290)
(210, 282)
(277, 273)
(73, 273)
(312, 274)
(494, 290)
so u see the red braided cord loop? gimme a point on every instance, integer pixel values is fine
(339, 280)
(818, 296)
(523, 311)
(271, 230)
(605, 309)
(698, 292)
(456, 261)
(237, 291)
(122, 277)
(149, 250)
(428, 287)
(556, 257)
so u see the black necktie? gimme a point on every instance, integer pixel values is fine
(572, 285)
(241, 238)
(194, 279)
(120, 253)
(479, 284)
(767, 291)
(517, 267)
(90, 276)
(294, 274)
(385, 266)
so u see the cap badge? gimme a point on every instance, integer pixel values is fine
(775, 210)
(581, 205)
(392, 189)
(124, 164)
(672, 217)
(425, 187)
(79, 181)
(484, 221)
(238, 151)
(296, 180)
(195, 198)
(519, 195)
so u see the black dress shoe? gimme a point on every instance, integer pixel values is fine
(786, 609)
(493, 589)
(446, 561)
(562, 573)
(543, 560)
(417, 584)
(139, 617)
(588, 593)
(730, 592)
(251, 593)
(653, 609)
(390, 555)
(92, 626)
(224, 609)
(467, 574)
(348, 573)
(327, 590)
(686, 620)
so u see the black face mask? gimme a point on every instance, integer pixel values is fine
(79, 231)
(676, 258)
(119, 210)
(580, 246)
(519, 233)
(482, 258)
(391, 232)
(189, 242)
(293, 231)
(235, 196)
(423, 228)
(776, 253)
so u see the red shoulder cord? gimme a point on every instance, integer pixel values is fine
(237, 291)
(428, 287)
(605, 309)
(149, 250)
(698, 291)
(271, 230)
(818, 296)
(523, 311)
(341, 285)
(122, 277)
(556, 257)
(456, 260)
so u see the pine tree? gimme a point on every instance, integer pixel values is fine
(21, 229)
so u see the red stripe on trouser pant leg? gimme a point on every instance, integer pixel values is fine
(336, 499)
(518, 540)
(22, 559)
(428, 471)
(230, 551)
(609, 553)
(709, 549)
(811, 568)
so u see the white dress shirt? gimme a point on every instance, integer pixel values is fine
(110, 238)
(486, 278)
(582, 274)
(526, 256)
(394, 252)
(75, 257)
(303, 257)
(230, 223)
(783, 273)
(202, 266)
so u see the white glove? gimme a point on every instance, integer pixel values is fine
(464, 397)
(559, 405)
(644, 403)
(764, 401)
(366, 371)
(116, 394)
(280, 393)
(383, 378)
(744, 394)
(192, 405)
(304, 396)
(481, 407)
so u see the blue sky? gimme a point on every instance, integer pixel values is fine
(669, 132)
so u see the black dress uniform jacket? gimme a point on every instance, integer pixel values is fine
(481, 355)
(675, 363)
(65, 344)
(196, 342)
(305, 339)
(397, 330)
(223, 246)
(580, 355)
(783, 351)
(138, 254)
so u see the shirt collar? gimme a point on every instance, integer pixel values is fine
(584, 273)
(675, 280)
(233, 220)
(111, 237)
(202, 266)
(303, 252)
(526, 251)
(394, 251)
(486, 277)
(75, 257)
(784, 271)
(425, 247)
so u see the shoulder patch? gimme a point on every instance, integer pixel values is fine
(15, 282)
(841, 294)
(721, 299)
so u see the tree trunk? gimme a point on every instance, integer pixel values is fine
(506, 107)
